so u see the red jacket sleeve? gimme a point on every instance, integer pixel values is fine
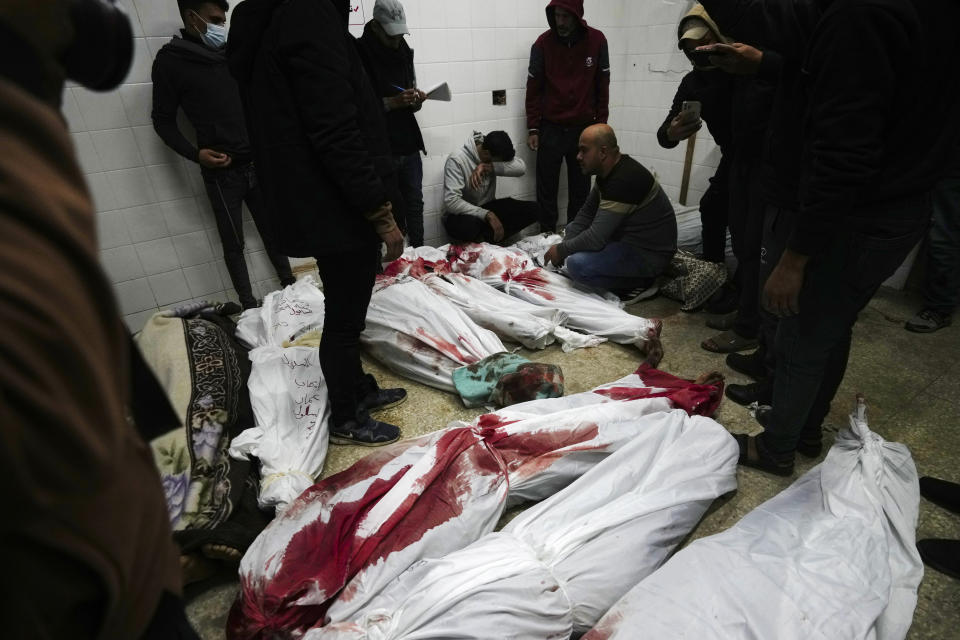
(603, 83)
(535, 76)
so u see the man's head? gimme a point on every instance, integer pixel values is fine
(565, 16)
(390, 22)
(598, 151)
(696, 33)
(198, 14)
(496, 147)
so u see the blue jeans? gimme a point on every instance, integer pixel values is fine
(410, 182)
(812, 347)
(942, 288)
(617, 266)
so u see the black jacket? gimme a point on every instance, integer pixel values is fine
(782, 29)
(714, 90)
(320, 140)
(190, 75)
(883, 95)
(388, 69)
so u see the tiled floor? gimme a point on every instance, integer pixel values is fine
(912, 385)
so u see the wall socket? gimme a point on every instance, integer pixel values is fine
(499, 97)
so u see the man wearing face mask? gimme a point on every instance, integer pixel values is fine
(568, 89)
(85, 534)
(191, 72)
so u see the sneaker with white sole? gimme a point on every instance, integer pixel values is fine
(632, 296)
(928, 321)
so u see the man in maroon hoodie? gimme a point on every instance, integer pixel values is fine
(568, 89)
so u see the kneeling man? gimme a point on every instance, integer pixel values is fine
(626, 233)
(472, 211)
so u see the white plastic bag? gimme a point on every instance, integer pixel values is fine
(832, 558)
(421, 335)
(556, 568)
(284, 315)
(290, 407)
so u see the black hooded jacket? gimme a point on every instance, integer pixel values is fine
(190, 75)
(320, 141)
(388, 69)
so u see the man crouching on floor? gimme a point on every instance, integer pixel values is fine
(626, 233)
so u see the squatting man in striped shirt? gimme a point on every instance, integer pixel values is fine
(625, 234)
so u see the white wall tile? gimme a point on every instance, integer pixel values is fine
(158, 18)
(131, 187)
(137, 321)
(86, 153)
(203, 279)
(182, 216)
(458, 13)
(134, 296)
(121, 263)
(193, 248)
(142, 62)
(170, 181)
(145, 223)
(432, 14)
(153, 150)
(137, 102)
(71, 111)
(101, 191)
(169, 288)
(117, 148)
(100, 110)
(158, 256)
(484, 14)
(112, 230)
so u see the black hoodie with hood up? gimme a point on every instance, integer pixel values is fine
(319, 136)
(190, 75)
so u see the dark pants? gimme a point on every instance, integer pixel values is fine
(777, 227)
(514, 215)
(714, 214)
(813, 346)
(558, 144)
(228, 189)
(942, 288)
(347, 286)
(746, 234)
(618, 266)
(409, 212)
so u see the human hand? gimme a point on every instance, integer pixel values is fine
(494, 223)
(479, 175)
(684, 125)
(781, 294)
(533, 141)
(421, 96)
(736, 58)
(213, 159)
(553, 256)
(404, 100)
(394, 242)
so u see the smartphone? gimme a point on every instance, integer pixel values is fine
(692, 107)
(701, 56)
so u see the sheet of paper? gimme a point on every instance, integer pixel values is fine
(439, 91)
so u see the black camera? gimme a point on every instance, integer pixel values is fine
(101, 53)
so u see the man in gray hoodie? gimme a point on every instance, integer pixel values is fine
(472, 211)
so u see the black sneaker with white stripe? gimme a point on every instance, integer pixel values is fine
(632, 296)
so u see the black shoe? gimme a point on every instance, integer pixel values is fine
(942, 555)
(369, 433)
(632, 296)
(746, 394)
(749, 364)
(381, 399)
(810, 444)
(724, 301)
(940, 492)
(928, 321)
(754, 454)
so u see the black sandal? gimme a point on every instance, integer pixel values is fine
(753, 454)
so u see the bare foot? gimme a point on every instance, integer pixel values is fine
(221, 552)
(709, 378)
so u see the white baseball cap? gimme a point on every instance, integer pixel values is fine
(391, 16)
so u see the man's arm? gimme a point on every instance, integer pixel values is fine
(535, 77)
(853, 69)
(316, 59)
(603, 83)
(454, 182)
(609, 216)
(166, 102)
(513, 169)
(682, 94)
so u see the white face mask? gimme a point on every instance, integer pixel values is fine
(216, 35)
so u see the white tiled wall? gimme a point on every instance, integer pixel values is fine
(157, 235)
